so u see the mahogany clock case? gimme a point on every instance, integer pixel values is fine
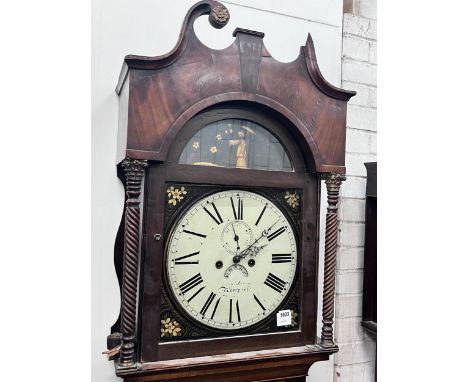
(199, 181)
(164, 101)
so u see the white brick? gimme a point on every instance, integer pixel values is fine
(361, 372)
(373, 144)
(366, 95)
(355, 163)
(360, 72)
(358, 352)
(354, 187)
(369, 371)
(372, 97)
(348, 330)
(356, 48)
(344, 355)
(350, 258)
(348, 306)
(359, 26)
(362, 118)
(349, 282)
(373, 53)
(364, 351)
(353, 210)
(343, 373)
(368, 8)
(358, 141)
(351, 234)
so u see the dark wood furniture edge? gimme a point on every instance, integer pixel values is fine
(317, 77)
(307, 354)
(371, 193)
(134, 173)
(371, 326)
(333, 184)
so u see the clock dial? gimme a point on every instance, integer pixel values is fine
(231, 259)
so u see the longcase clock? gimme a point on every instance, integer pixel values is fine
(222, 153)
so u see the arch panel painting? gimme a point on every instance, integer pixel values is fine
(236, 143)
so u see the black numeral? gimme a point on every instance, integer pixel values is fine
(208, 302)
(194, 233)
(278, 232)
(281, 258)
(259, 303)
(239, 214)
(240, 209)
(215, 307)
(191, 283)
(218, 220)
(230, 310)
(260, 216)
(179, 262)
(195, 294)
(238, 312)
(275, 282)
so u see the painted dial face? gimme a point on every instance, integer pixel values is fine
(231, 259)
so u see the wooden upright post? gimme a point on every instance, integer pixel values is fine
(333, 183)
(134, 172)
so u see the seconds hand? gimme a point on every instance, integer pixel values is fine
(238, 257)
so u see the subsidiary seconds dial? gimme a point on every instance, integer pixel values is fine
(231, 259)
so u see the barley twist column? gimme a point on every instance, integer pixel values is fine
(333, 183)
(134, 172)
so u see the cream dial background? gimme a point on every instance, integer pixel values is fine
(234, 295)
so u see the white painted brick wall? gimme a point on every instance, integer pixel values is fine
(373, 53)
(360, 72)
(363, 118)
(356, 48)
(359, 26)
(373, 141)
(359, 141)
(350, 258)
(368, 9)
(366, 95)
(355, 163)
(349, 281)
(355, 360)
(357, 372)
(356, 352)
(349, 305)
(352, 210)
(349, 329)
(351, 234)
(354, 187)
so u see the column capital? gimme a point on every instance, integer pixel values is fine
(333, 181)
(134, 165)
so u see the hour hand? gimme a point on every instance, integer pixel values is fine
(236, 237)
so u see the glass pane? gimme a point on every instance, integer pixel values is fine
(236, 143)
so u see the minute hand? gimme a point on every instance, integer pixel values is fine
(245, 252)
